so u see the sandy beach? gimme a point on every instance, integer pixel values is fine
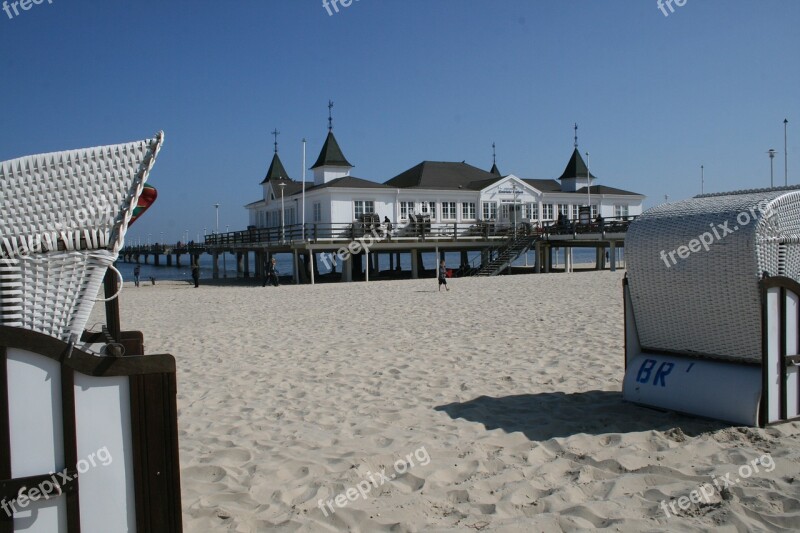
(493, 407)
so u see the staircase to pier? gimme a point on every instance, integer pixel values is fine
(506, 254)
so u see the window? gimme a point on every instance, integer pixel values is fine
(448, 210)
(489, 211)
(533, 213)
(361, 207)
(620, 211)
(468, 211)
(504, 211)
(406, 208)
(575, 212)
(563, 209)
(547, 212)
(428, 208)
(594, 211)
(317, 212)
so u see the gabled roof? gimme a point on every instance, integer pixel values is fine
(602, 189)
(276, 170)
(291, 187)
(350, 182)
(331, 155)
(495, 170)
(544, 185)
(440, 175)
(576, 168)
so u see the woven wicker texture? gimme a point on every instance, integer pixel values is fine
(708, 302)
(63, 219)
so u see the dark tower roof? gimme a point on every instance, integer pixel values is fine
(576, 168)
(276, 170)
(331, 155)
(495, 170)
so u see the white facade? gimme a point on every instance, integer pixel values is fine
(500, 202)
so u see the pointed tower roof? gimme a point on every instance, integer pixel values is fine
(495, 170)
(576, 168)
(276, 170)
(331, 155)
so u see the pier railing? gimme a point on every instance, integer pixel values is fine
(408, 232)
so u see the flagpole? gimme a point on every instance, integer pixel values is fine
(304, 188)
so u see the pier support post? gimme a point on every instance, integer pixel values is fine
(156, 260)
(215, 268)
(169, 260)
(239, 265)
(414, 264)
(313, 265)
(399, 268)
(347, 268)
(178, 260)
(598, 258)
(259, 260)
(247, 265)
(537, 265)
(547, 257)
(296, 268)
(391, 261)
(368, 267)
(612, 252)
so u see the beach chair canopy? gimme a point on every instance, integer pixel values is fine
(63, 218)
(694, 268)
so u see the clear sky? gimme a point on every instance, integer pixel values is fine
(655, 96)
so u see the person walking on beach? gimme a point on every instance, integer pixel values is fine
(196, 274)
(443, 276)
(272, 273)
(136, 271)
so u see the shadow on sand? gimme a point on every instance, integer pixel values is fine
(556, 414)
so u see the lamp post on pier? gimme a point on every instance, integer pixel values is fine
(771, 153)
(282, 185)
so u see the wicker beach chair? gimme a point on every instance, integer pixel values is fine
(712, 306)
(709, 302)
(64, 219)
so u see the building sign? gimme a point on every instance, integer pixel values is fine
(508, 190)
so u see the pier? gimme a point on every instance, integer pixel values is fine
(363, 248)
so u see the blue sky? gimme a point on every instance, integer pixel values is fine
(655, 97)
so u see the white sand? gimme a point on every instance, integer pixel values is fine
(509, 386)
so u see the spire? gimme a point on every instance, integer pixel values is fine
(576, 168)
(494, 170)
(331, 155)
(275, 132)
(576, 135)
(330, 115)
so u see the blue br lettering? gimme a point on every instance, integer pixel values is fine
(662, 372)
(647, 369)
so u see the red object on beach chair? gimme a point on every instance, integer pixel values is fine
(449, 272)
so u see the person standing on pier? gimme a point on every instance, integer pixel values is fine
(196, 274)
(136, 271)
(443, 276)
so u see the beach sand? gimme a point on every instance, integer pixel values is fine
(500, 399)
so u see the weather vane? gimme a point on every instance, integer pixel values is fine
(276, 133)
(330, 115)
(576, 135)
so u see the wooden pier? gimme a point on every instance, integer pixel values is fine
(362, 248)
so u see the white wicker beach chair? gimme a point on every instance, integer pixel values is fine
(709, 302)
(712, 307)
(63, 219)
